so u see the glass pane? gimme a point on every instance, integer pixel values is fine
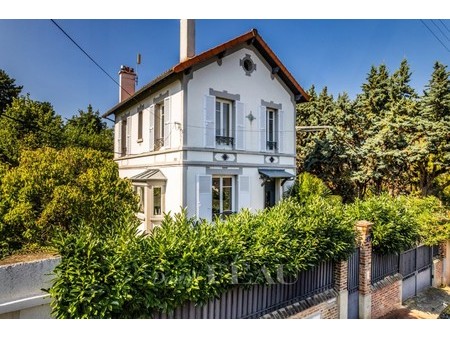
(226, 119)
(140, 191)
(227, 181)
(227, 194)
(162, 122)
(157, 198)
(215, 195)
(218, 122)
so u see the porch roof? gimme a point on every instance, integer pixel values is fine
(149, 174)
(275, 173)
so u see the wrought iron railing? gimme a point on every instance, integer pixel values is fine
(271, 145)
(159, 143)
(229, 141)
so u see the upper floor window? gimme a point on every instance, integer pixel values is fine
(159, 126)
(272, 129)
(140, 127)
(124, 137)
(224, 122)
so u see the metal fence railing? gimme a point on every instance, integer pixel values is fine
(383, 266)
(257, 300)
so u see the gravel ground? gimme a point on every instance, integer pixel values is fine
(426, 305)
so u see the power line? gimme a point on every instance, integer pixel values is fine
(86, 53)
(27, 124)
(96, 63)
(448, 50)
(440, 30)
(443, 24)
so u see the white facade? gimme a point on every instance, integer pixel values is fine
(225, 119)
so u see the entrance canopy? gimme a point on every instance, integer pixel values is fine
(149, 174)
(268, 175)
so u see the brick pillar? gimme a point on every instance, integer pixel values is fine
(341, 286)
(445, 254)
(365, 266)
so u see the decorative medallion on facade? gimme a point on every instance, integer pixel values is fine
(247, 64)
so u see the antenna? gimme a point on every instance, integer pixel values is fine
(138, 62)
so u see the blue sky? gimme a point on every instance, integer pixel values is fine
(333, 53)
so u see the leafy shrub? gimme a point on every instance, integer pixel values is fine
(402, 222)
(53, 191)
(121, 275)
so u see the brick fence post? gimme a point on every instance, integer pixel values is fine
(365, 267)
(341, 286)
(445, 254)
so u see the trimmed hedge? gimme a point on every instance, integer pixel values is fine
(128, 276)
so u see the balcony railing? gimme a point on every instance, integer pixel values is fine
(159, 143)
(271, 145)
(225, 140)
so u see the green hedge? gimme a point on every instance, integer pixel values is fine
(129, 276)
(401, 222)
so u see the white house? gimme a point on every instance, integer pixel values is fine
(213, 134)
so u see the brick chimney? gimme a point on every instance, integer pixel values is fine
(127, 81)
(187, 39)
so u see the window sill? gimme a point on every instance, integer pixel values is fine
(139, 140)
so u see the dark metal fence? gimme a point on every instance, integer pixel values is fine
(383, 266)
(255, 301)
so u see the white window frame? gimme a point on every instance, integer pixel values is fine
(160, 118)
(275, 129)
(233, 192)
(220, 121)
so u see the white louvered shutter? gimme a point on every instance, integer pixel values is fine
(128, 141)
(167, 123)
(118, 133)
(244, 192)
(204, 197)
(240, 133)
(280, 131)
(210, 121)
(151, 128)
(262, 127)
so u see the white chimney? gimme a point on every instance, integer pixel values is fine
(187, 39)
(127, 81)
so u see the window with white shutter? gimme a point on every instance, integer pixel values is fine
(209, 121)
(151, 128)
(280, 125)
(204, 197)
(118, 132)
(167, 123)
(262, 128)
(240, 120)
(128, 142)
(244, 192)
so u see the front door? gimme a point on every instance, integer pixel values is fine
(269, 194)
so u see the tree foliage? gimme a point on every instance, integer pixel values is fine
(88, 131)
(389, 139)
(8, 90)
(30, 125)
(54, 191)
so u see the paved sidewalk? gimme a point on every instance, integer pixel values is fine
(426, 305)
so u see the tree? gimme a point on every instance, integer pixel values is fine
(88, 131)
(30, 125)
(429, 150)
(8, 90)
(54, 192)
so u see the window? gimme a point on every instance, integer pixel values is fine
(140, 113)
(140, 191)
(123, 138)
(222, 195)
(159, 126)
(157, 201)
(224, 122)
(271, 130)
